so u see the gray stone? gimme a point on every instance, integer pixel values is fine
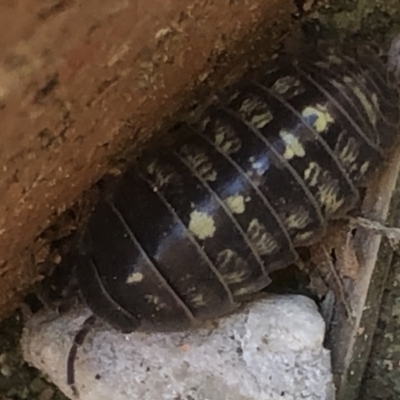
(271, 350)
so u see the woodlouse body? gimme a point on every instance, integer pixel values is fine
(193, 230)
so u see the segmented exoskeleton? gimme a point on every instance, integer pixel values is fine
(196, 228)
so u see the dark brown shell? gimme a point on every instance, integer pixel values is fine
(192, 230)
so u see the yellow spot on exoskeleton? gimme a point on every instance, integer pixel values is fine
(135, 277)
(349, 153)
(370, 107)
(204, 123)
(328, 190)
(262, 240)
(161, 175)
(156, 301)
(328, 195)
(235, 277)
(201, 164)
(298, 219)
(248, 106)
(260, 120)
(233, 96)
(232, 267)
(201, 225)
(364, 167)
(256, 112)
(311, 174)
(322, 117)
(303, 238)
(293, 147)
(235, 204)
(226, 139)
(259, 165)
(198, 300)
(151, 298)
(242, 291)
(285, 84)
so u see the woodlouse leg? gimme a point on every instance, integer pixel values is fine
(78, 341)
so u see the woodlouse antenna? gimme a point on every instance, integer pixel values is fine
(78, 341)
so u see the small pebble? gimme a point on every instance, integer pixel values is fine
(47, 394)
(6, 371)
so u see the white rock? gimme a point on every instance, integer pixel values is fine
(271, 350)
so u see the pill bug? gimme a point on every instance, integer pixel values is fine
(192, 231)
